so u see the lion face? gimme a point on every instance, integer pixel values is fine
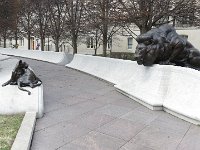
(150, 46)
(140, 52)
(146, 51)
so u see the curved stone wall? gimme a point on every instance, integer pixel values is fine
(48, 56)
(170, 88)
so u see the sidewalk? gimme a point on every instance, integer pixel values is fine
(84, 113)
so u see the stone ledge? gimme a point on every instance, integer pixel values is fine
(152, 107)
(25, 133)
(48, 56)
(186, 118)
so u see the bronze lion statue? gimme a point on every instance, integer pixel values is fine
(164, 46)
(23, 76)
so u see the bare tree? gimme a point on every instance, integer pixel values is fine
(17, 30)
(197, 22)
(42, 18)
(28, 19)
(8, 17)
(102, 16)
(97, 39)
(57, 10)
(75, 15)
(148, 13)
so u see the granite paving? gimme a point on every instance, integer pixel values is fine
(85, 113)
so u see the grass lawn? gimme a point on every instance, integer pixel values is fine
(9, 126)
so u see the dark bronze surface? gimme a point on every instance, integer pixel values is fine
(23, 76)
(164, 46)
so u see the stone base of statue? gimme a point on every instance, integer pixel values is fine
(13, 100)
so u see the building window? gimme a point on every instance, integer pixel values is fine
(21, 41)
(109, 44)
(130, 43)
(90, 43)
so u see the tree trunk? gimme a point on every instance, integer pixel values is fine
(95, 51)
(16, 39)
(42, 43)
(96, 43)
(29, 40)
(174, 21)
(105, 25)
(104, 43)
(144, 29)
(57, 45)
(4, 42)
(75, 48)
(74, 44)
(42, 35)
(105, 36)
(48, 43)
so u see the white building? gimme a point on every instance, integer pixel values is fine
(123, 42)
(126, 43)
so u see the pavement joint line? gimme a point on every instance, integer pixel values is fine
(74, 138)
(70, 105)
(111, 136)
(91, 130)
(25, 133)
(140, 130)
(183, 136)
(68, 120)
(134, 136)
(49, 126)
(66, 105)
(95, 130)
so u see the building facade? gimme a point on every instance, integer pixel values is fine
(122, 42)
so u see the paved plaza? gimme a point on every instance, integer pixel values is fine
(85, 113)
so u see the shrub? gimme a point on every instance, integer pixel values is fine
(123, 55)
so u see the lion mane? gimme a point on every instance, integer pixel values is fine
(164, 46)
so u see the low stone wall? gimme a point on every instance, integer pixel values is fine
(13, 100)
(183, 96)
(170, 88)
(48, 56)
(127, 76)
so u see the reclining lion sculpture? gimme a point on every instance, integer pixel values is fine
(164, 46)
(23, 76)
